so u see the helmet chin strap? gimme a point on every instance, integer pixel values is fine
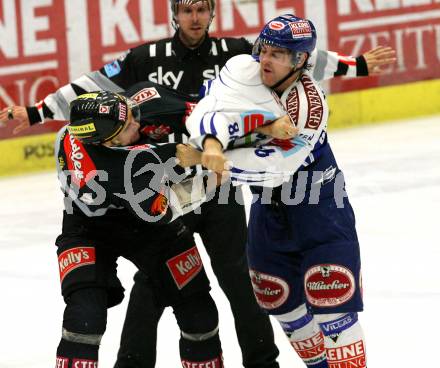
(288, 75)
(292, 72)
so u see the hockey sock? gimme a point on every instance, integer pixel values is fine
(305, 336)
(84, 322)
(196, 351)
(76, 355)
(199, 343)
(343, 339)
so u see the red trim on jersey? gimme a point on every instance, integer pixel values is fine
(78, 161)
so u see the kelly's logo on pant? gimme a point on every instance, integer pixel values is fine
(185, 266)
(75, 257)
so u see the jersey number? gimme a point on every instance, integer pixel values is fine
(252, 122)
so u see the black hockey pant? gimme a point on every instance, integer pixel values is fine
(222, 228)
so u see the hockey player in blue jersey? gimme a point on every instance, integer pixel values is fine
(303, 249)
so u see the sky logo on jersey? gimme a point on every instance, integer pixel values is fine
(112, 69)
(167, 78)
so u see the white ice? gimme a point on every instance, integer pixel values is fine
(393, 178)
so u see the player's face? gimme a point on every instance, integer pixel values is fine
(129, 134)
(275, 64)
(193, 21)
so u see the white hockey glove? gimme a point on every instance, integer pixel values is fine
(187, 195)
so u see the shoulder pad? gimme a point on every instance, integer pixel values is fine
(239, 83)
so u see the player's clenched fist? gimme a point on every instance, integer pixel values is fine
(188, 156)
(212, 156)
(282, 128)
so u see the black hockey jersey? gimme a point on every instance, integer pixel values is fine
(96, 178)
(169, 62)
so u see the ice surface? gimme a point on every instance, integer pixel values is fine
(393, 179)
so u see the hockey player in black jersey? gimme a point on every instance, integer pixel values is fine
(106, 163)
(99, 226)
(132, 124)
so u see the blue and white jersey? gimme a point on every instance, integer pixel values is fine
(234, 105)
(237, 102)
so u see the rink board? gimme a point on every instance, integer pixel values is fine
(27, 154)
(384, 104)
(377, 105)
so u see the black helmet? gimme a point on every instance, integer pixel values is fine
(98, 117)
